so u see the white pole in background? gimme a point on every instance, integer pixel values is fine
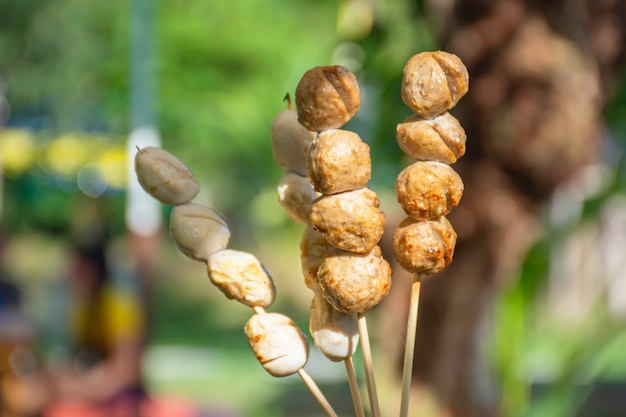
(143, 214)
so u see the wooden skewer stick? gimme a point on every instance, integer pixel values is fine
(317, 393)
(258, 310)
(368, 364)
(354, 388)
(409, 348)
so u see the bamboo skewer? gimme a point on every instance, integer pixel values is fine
(354, 388)
(409, 349)
(317, 393)
(368, 365)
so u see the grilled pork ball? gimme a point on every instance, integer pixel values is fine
(354, 283)
(240, 276)
(439, 139)
(428, 190)
(339, 161)
(198, 231)
(433, 82)
(278, 344)
(335, 334)
(424, 246)
(350, 221)
(165, 177)
(327, 97)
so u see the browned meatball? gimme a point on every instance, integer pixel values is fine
(439, 139)
(350, 221)
(354, 283)
(424, 246)
(428, 190)
(327, 97)
(339, 161)
(433, 82)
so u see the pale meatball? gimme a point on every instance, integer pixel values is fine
(433, 82)
(440, 139)
(350, 221)
(240, 276)
(354, 283)
(295, 194)
(165, 177)
(339, 161)
(327, 97)
(424, 246)
(198, 231)
(278, 344)
(314, 248)
(291, 143)
(336, 334)
(428, 190)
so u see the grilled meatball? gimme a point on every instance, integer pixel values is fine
(339, 161)
(165, 177)
(428, 190)
(198, 231)
(240, 276)
(433, 82)
(278, 344)
(335, 334)
(354, 283)
(350, 221)
(327, 97)
(424, 246)
(439, 139)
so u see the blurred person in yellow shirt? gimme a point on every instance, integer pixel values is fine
(107, 330)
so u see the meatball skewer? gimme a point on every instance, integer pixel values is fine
(279, 345)
(432, 84)
(334, 333)
(356, 278)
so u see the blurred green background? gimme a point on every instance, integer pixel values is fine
(221, 70)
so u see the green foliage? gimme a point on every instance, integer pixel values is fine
(61, 60)
(546, 367)
(222, 70)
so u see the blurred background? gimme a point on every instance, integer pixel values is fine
(528, 320)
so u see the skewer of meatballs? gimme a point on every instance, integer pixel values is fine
(334, 333)
(428, 189)
(341, 259)
(202, 235)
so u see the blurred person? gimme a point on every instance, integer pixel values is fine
(107, 330)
